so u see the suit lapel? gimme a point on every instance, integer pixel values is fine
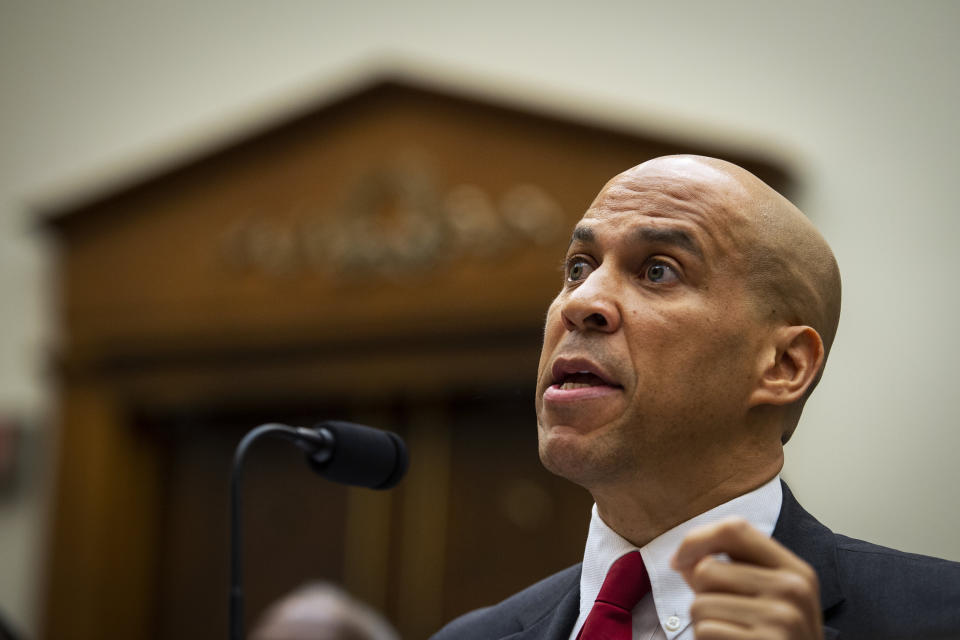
(558, 620)
(803, 534)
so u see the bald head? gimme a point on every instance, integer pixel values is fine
(321, 612)
(788, 266)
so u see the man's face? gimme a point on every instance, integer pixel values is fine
(651, 347)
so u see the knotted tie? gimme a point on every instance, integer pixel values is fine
(610, 618)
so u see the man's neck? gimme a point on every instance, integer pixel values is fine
(641, 511)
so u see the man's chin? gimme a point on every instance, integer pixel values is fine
(569, 452)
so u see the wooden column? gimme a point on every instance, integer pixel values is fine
(104, 529)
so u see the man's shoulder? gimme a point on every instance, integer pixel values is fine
(516, 613)
(864, 563)
(871, 591)
(854, 550)
(895, 594)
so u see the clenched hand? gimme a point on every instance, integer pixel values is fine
(764, 591)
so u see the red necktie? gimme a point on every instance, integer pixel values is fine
(610, 618)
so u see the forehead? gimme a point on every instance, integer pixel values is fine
(701, 208)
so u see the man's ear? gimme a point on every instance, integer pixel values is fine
(797, 356)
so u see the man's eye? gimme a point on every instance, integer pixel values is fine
(577, 270)
(660, 273)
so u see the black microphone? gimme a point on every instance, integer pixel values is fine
(354, 454)
(339, 451)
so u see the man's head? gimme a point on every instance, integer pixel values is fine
(697, 310)
(321, 611)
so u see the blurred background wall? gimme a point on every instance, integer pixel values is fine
(857, 99)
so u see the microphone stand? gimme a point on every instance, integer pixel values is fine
(318, 444)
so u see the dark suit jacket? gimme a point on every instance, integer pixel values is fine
(867, 592)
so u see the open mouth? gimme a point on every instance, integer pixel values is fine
(580, 380)
(576, 382)
(570, 374)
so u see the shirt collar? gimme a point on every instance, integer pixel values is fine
(671, 594)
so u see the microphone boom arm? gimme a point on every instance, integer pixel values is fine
(340, 451)
(236, 538)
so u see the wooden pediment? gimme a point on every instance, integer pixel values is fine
(397, 211)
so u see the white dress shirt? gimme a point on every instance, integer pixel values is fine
(664, 614)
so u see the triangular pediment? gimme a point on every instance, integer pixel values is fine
(378, 92)
(439, 209)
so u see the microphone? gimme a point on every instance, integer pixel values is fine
(340, 451)
(354, 454)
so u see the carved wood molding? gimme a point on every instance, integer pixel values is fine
(394, 217)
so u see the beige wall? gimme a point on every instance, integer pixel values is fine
(859, 98)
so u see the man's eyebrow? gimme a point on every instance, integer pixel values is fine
(676, 237)
(582, 234)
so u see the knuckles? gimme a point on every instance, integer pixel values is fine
(796, 587)
(733, 531)
(784, 615)
(704, 630)
(699, 609)
(700, 576)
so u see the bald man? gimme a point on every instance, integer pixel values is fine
(696, 314)
(321, 611)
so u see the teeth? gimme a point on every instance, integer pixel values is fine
(566, 386)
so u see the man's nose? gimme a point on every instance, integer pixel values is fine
(592, 306)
